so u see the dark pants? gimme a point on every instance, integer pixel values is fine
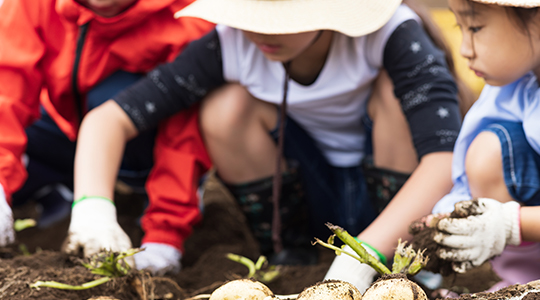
(51, 154)
(334, 194)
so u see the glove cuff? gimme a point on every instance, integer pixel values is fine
(93, 209)
(513, 223)
(90, 197)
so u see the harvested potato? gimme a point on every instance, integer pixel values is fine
(242, 289)
(331, 290)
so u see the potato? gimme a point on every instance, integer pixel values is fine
(330, 290)
(242, 289)
(394, 287)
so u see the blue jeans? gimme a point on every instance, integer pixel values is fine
(336, 195)
(51, 154)
(521, 164)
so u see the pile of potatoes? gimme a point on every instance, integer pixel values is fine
(393, 287)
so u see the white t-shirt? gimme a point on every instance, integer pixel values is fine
(330, 109)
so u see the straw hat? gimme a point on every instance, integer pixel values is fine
(516, 3)
(350, 17)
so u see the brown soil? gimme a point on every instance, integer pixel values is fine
(204, 266)
(529, 291)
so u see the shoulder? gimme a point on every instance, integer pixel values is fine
(402, 14)
(376, 42)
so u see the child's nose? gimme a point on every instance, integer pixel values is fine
(467, 47)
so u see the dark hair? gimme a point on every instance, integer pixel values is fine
(523, 17)
(465, 95)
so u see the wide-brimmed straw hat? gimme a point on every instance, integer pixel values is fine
(350, 17)
(515, 3)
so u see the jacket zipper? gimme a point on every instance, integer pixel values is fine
(74, 80)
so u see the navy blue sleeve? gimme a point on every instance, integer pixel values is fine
(425, 87)
(174, 86)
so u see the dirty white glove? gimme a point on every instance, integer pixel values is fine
(159, 259)
(94, 227)
(7, 234)
(351, 270)
(490, 226)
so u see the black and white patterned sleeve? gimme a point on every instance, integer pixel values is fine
(174, 86)
(425, 87)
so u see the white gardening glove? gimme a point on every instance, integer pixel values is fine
(351, 270)
(7, 234)
(94, 228)
(159, 259)
(489, 227)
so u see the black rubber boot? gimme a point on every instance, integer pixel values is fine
(382, 184)
(255, 200)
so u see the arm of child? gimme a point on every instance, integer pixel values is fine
(530, 225)
(103, 134)
(144, 105)
(429, 182)
(432, 177)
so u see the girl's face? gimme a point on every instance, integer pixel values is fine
(107, 8)
(282, 47)
(497, 49)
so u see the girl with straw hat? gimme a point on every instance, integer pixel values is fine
(302, 72)
(497, 153)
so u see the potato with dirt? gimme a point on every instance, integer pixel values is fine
(242, 289)
(329, 290)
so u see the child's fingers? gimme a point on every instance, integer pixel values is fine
(460, 226)
(458, 255)
(455, 241)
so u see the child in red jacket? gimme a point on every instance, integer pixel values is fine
(58, 60)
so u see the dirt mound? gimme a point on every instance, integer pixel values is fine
(204, 265)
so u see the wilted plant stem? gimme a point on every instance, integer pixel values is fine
(63, 286)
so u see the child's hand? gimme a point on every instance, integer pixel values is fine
(7, 235)
(482, 229)
(352, 271)
(158, 258)
(429, 221)
(94, 228)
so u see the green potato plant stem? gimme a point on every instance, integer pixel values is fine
(109, 264)
(63, 286)
(22, 224)
(406, 259)
(255, 268)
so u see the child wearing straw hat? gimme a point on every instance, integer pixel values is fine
(497, 153)
(292, 79)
